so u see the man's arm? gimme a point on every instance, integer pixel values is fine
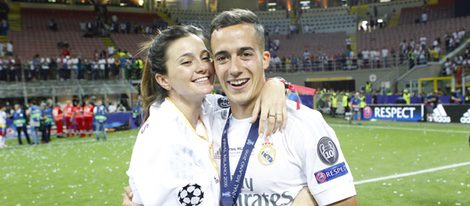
(304, 198)
(351, 201)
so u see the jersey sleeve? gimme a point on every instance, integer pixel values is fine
(318, 151)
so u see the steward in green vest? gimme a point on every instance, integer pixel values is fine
(333, 104)
(406, 96)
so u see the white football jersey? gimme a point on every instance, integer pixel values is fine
(171, 163)
(306, 153)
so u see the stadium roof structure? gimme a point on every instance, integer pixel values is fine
(57, 88)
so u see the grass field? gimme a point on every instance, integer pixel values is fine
(81, 171)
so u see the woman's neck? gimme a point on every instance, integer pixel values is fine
(191, 109)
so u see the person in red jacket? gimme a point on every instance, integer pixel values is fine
(88, 118)
(58, 118)
(68, 113)
(79, 121)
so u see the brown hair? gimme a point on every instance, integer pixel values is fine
(239, 16)
(155, 63)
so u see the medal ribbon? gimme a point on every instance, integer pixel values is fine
(230, 189)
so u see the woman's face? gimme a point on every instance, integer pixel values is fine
(190, 70)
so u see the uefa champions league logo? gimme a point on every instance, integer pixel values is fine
(191, 195)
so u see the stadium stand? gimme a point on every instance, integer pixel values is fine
(336, 19)
(55, 88)
(391, 37)
(387, 8)
(274, 21)
(131, 42)
(442, 10)
(328, 43)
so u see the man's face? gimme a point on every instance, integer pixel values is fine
(239, 62)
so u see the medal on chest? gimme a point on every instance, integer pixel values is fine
(267, 154)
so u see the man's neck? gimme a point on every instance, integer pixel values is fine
(242, 111)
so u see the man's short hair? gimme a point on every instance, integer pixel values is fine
(239, 16)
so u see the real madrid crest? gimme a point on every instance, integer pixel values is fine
(267, 154)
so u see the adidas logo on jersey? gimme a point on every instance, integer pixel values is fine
(440, 115)
(465, 117)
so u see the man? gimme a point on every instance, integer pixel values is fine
(69, 118)
(306, 153)
(88, 118)
(345, 102)
(100, 120)
(58, 117)
(333, 104)
(79, 120)
(137, 114)
(406, 96)
(34, 113)
(356, 107)
(19, 120)
(48, 121)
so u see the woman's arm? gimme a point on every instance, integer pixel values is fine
(271, 107)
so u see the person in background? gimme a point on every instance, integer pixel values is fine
(47, 120)
(79, 120)
(34, 113)
(137, 114)
(19, 120)
(363, 103)
(3, 126)
(356, 108)
(456, 97)
(100, 118)
(88, 118)
(58, 120)
(407, 96)
(333, 104)
(345, 102)
(69, 118)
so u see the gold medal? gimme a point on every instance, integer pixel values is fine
(267, 154)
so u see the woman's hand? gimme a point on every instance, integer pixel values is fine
(272, 103)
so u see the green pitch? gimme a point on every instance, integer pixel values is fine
(81, 171)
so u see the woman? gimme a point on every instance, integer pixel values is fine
(172, 161)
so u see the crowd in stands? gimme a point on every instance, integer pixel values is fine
(116, 25)
(136, 28)
(409, 53)
(458, 66)
(106, 64)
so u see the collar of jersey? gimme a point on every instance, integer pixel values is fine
(181, 115)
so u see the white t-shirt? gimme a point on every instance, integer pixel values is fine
(171, 161)
(307, 154)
